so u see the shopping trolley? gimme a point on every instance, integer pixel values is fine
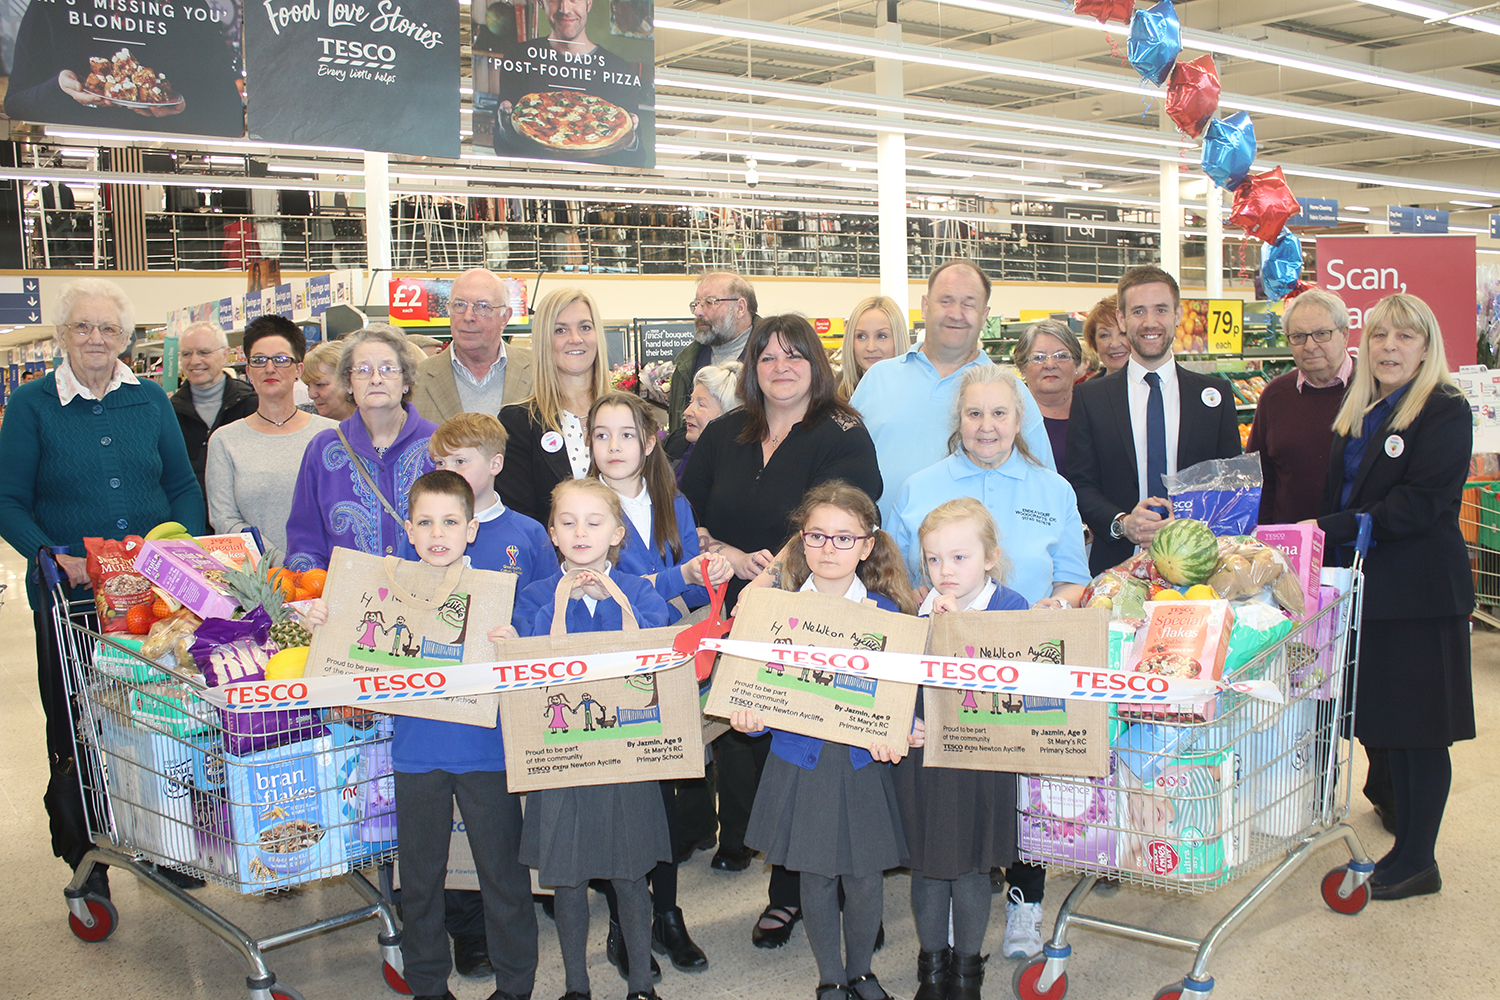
(1199, 798)
(255, 805)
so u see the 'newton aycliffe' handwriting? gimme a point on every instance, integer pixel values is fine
(388, 18)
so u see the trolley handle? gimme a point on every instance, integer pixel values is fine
(53, 578)
(1366, 525)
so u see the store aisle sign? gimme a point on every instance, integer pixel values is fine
(377, 75)
(1315, 212)
(1495, 227)
(299, 300)
(566, 81)
(1403, 220)
(107, 64)
(1362, 270)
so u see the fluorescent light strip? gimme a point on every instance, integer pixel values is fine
(1204, 41)
(1436, 13)
(1361, 122)
(1385, 180)
(908, 106)
(106, 136)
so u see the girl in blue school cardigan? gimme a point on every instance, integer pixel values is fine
(661, 545)
(613, 832)
(830, 812)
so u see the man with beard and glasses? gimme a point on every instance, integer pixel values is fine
(724, 309)
(1130, 429)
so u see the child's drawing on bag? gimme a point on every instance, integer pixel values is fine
(413, 633)
(627, 708)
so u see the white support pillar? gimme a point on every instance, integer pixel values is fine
(1213, 257)
(377, 212)
(890, 166)
(1171, 220)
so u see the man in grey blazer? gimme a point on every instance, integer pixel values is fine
(478, 373)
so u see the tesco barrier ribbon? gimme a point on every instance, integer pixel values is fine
(468, 679)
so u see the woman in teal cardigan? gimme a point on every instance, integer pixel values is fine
(88, 451)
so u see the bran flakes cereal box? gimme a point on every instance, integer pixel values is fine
(1186, 639)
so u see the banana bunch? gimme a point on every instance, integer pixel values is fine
(170, 531)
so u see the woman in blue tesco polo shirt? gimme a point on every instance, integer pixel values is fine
(989, 460)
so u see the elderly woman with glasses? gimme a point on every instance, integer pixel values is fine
(352, 487)
(88, 451)
(252, 463)
(1050, 358)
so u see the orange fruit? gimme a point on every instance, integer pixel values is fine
(139, 619)
(287, 581)
(305, 594)
(159, 608)
(313, 580)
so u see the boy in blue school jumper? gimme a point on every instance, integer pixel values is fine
(473, 445)
(438, 762)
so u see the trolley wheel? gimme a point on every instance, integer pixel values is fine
(394, 979)
(1173, 992)
(1356, 901)
(106, 919)
(280, 992)
(1027, 974)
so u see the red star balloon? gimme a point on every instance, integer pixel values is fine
(1262, 204)
(1106, 10)
(1193, 94)
(1299, 288)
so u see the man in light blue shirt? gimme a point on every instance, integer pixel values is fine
(907, 403)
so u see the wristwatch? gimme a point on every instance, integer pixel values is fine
(1117, 526)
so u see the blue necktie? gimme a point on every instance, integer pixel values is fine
(1156, 438)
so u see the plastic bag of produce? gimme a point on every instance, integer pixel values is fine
(1223, 492)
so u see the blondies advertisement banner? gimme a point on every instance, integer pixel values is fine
(566, 80)
(999, 731)
(363, 74)
(385, 614)
(826, 704)
(159, 65)
(645, 726)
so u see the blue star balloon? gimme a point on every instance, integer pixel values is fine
(1281, 264)
(1155, 40)
(1229, 150)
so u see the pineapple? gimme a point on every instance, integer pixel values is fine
(254, 588)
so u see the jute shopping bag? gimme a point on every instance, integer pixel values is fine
(828, 705)
(600, 732)
(992, 731)
(386, 613)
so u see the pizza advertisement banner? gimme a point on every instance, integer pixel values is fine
(167, 66)
(379, 75)
(565, 80)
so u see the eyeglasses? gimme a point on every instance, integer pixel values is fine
(710, 301)
(1042, 359)
(200, 353)
(1318, 336)
(279, 360)
(83, 330)
(365, 372)
(457, 307)
(816, 540)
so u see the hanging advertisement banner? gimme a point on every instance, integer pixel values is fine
(381, 76)
(1439, 270)
(169, 66)
(565, 80)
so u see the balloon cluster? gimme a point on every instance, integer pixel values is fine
(1262, 202)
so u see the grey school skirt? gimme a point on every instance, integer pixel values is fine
(831, 820)
(571, 835)
(956, 821)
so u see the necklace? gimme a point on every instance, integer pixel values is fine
(273, 423)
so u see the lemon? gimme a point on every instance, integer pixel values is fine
(287, 665)
(1168, 595)
(1201, 592)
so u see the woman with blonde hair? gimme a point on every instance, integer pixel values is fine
(875, 331)
(320, 373)
(1401, 455)
(548, 441)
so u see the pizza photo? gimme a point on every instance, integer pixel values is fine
(571, 121)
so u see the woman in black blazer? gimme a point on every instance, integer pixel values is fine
(1401, 454)
(547, 438)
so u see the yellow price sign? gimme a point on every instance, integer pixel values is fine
(1226, 326)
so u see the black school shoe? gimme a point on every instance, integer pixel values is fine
(471, 957)
(775, 937)
(502, 995)
(1423, 883)
(730, 859)
(687, 849)
(614, 950)
(669, 937)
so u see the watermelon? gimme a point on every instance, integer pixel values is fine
(1185, 551)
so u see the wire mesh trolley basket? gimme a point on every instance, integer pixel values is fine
(257, 804)
(1197, 799)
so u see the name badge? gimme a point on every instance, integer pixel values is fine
(1395, 445)
(551, 442)
(1211, 397)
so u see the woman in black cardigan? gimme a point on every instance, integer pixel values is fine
(1401, 454)
(547, 441)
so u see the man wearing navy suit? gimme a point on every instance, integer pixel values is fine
(1128, 430)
